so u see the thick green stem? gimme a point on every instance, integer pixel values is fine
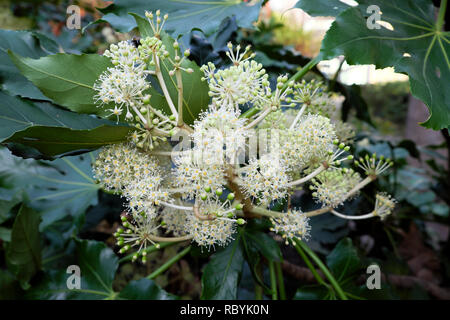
(323, 268)
(169, 263)
(273, 280)
(280, 281)
(299, 74)
(441, 15)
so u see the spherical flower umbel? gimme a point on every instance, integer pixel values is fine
(331, 186)
(196, 172)
(245, 81)
(384, 204)
(290, 225)
(122, 88)
(212, 223)
(133, 174)
(265, 179)
(137, 232)
(308, 142)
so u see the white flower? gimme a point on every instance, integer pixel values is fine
(331, 186)
(123, 88)
(384, 204)
(309, 142)
(265, 179)
(134, 174)
(195, 172)
(245, 81)
(211, 232)
(125, 56)
(218, 130)
(293, 224)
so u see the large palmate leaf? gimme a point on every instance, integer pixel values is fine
(221, 276)
(195, 91)
(414, 46)
(98, 265)
(67, 79)
(54, 132)
(144, 289)
(27, 44)
(183, 15)
(24, 252)
(56, 188)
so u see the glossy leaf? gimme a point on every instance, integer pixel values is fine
(67, 79)
(265, 244)
(54, 132)
(221, 276)
(55, 188)
(183, 15)
(27, 44)
(24, 252)
(413, 46)
(144, 289)
(343, 261)
(98, 265)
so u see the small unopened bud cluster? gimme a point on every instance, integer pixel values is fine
(374, 166)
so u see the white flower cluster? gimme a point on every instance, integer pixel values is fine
(293, 224)
(201, 193)
(244, 82)
(265, 179)
(331, 186)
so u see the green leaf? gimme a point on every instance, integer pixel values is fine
(54, 132)
(343, 261)
(312, 293)
(183, 15)
(24, 252)
(221, 276)
(195, 91)
(322, 8)
(265, 244)
(67, 79)
(27, 44)
(5, 234)
(98, 265)
(413, 47)
(55, 188)
(144, 289)
(11, 289)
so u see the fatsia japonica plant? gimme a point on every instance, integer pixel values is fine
(205, 187)
(206, 156)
